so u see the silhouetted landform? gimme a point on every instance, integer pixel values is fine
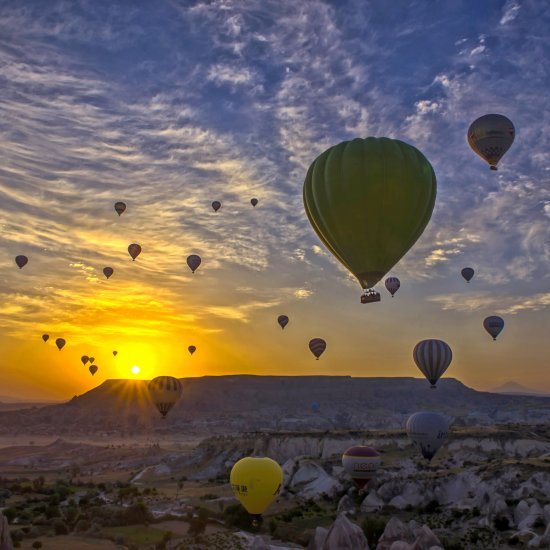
(513, 388)
(243, 403)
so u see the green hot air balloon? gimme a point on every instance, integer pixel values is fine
(369, 200)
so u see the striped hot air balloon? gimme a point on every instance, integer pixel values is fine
(361, 463)
(317, 347)
(467, 273)
(493, 325)
(433, 358)
(165, 392)
(428, 431)
(283, 321)
(392, 285)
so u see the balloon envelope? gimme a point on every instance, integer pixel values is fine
(317, 346)
(433, 358)
(93, 369)
(493, 325)
(428, 431)
(60, 342)
(282, 320)
(216, 205)
(134, 250)
(392, 285)
(369, 200)
(84, 359)
(120, 207)
(490, 136)
(193, 262)
(21, 261)
(108, 271)
(256, 482)
(361, 463)
(191, 349)
(165, 392)
(467, 273)
(45, 337)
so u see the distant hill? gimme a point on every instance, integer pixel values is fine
(513, 388)
(234, 404)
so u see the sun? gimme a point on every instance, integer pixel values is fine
(135, 369)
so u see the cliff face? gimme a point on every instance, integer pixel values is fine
(234, 404)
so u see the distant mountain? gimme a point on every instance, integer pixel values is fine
(244, 403)
(513, 388)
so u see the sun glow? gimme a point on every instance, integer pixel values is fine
(135, 369)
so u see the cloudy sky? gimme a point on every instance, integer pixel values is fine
(170, 105)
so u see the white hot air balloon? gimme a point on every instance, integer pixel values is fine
(428, 431)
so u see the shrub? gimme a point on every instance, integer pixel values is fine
(373, 527)
(37, 544)
(60, 527)
(501, 523)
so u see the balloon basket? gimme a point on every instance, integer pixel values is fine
(370, 296)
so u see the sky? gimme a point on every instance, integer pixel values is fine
(170, 105)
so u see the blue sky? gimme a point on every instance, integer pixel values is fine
(170, 105)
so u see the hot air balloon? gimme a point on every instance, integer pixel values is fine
(216, 205)
(21, 261)
(256, 482)
(361, 463)
(165, 392)
(493, 325)
(490, 136)
(120, 207)
(134, 250)
(91, 359)
(467, 273)
(191, 349)
(193, 262)
(60, 342)
(282, 320)
(93, 369)
(315, 407)
(392, 285)
(115, 353)
(253, 202)
(108, 271)
(317, 347)
(45, 337)
(84, 359)
(428, 431)
(369, 200)
(433, 358)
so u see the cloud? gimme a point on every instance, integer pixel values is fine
(501, 304)
(509, 11)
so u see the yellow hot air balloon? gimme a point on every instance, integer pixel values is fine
(256, 482)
